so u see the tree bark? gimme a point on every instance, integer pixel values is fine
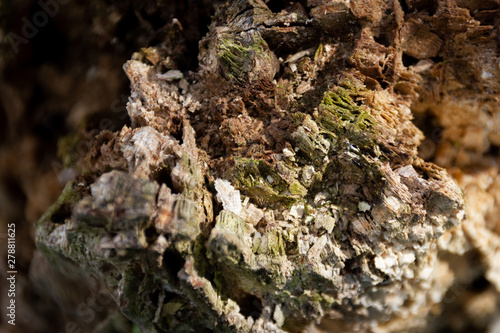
(279, 187)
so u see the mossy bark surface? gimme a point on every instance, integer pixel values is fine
(278, 187)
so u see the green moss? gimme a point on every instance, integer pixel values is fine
(260, 181)
(318, 51)
(238, 56)
(303, 290)
(338, 112)
(261, 13)
(190, 185)
(61, 209)
(296, 188)
(272, 244)
(228, 221)
(309, 141)
(136, 288)
(299, 118)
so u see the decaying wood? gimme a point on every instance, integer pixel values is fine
(279, 187)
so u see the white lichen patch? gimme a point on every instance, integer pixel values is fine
(320, 198)
(150, 97)
(288, 153)
(308, 173)
(364, 206)
(325, 221)
(386, 261)
(145, 149)
(406, 257)
(173, 74)
(251, 214)
(303, 245)
(228, 196)
(297, 211)
(393, 204)
(278, 316)
(486, 75)
(317, 247)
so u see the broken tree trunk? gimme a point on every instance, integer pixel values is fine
(278, 187)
